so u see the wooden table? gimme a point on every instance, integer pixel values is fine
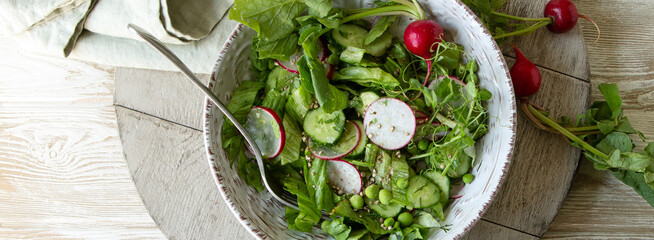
(63, 173)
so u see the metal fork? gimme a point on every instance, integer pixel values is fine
(274, 187)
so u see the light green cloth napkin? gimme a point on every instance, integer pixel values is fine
(96, 31)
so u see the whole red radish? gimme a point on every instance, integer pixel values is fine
(525, 75)
(564, 15)
(420, 37)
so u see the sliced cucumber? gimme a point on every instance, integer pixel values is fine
(367, 98)
(346, 144)
(421, 192)
(348, 35)
(400, 172)
(389, 210)
(322, 127)
(443, 183)
(361, 147)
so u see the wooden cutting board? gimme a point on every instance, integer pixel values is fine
(160, 118)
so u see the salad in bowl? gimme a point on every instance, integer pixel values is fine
(392, 121)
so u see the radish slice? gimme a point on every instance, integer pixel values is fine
(421, 117)
(348, 142)
(389, 123)
(265, 127)
(344, 176)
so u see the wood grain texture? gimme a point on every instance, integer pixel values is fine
(170, 169)
(168, 95)
(543, 164)
(62, 173)
(488, 230)
(599, 206)
(564, 53)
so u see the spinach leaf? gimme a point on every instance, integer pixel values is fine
(637, 182)
(337, 229)
(612, 96)
(367, 77)
(272, 19)
(281, 49)
(379, 28)
(316, 179)
(319, 8)
(259, 66)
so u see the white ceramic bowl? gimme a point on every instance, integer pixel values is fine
(264, 217)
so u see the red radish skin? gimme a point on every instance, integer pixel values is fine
(420, 37)
(344, 175)
(525, 75)
(564, 15)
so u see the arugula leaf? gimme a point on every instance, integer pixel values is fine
(319, 8)
(272, 19)
(316, 179)
(367, 77)
(379, 28)
(281, 49)
(637, 182)
(337, 229)
(612, 96)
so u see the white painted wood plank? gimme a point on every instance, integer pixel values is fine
(62, 172)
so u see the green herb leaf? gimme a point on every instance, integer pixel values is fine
(337, 229)
(291, 151)
(370, 221)
(612, 96)
(628, 161)
(485, 95)
(615, 140)
(272, 19)
(309, 214)
(650, 149)
(329, 97)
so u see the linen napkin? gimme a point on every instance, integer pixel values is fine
(96, 31)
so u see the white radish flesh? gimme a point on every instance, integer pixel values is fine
(389, 123)
(342, 175)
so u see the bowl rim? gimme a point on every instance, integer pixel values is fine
(211, 156)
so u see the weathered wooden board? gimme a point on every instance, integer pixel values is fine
(489, 230)
(170, 169)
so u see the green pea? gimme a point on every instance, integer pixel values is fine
(372, 191)
(468, 178)
(402, 183)
(385, 196)
(423, 144)
(405, 219)
(389, 222)
(356, 201)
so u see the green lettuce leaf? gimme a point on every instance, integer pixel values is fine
(379, 28)
(309, 214)
(272, 19)
(367, 77)
(369, 220)
(316, 180)
(319, 8)
(281, 49)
